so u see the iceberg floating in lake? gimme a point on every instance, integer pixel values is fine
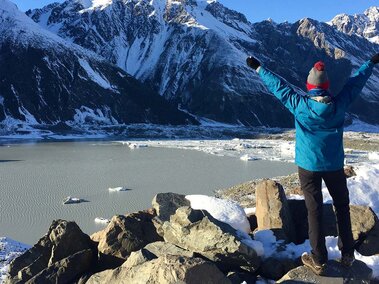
(248, 158)
(71, 200)
(117, 189)
(136, 146)
(102, 220)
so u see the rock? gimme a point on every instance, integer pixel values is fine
(238, 277)
(162, 248)
(125, 234)
(335, 273)
(365, 227)
(274, 268)
(197, 231)
(349, 171)
(252, 221)
(165, 204)
(138, 257)
(168, 269)
(66, 270)
(62, 240)
(272, 210)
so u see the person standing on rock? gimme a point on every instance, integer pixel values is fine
(319, 119)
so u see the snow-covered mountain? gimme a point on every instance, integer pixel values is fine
(193, 53)
(46, 80)
(366, 24)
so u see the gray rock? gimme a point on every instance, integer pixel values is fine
(335, 274)
(125, 234)
(365, 227)
(272, 210)
(163, 248)
(66, 270)
(166, 269)
(138, 257)
(274, 268)
(197, 231)
(165, 204)
(62, 240)
(349, 171)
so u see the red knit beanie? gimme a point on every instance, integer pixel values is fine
(318, 78)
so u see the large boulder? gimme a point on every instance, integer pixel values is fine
(165, 204)
(125, 234)
(197, 231)
(62, 240)
(163, 248)
(168, 269)
(272, 210)
(365, 227)
(335, 273)
(276, 268)
(67, 269)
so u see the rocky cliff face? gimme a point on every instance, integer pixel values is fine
(365, 25)
(193, 53)
(47, 80)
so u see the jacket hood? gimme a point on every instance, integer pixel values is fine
(321, 109)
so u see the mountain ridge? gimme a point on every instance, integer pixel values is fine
(193, 52)
(47, 80)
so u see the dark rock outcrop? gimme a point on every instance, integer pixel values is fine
(125, 234)
(65, 252)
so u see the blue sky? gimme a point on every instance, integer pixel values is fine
(278, 10)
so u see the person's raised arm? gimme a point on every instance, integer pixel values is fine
(276, 85)
(355, 84)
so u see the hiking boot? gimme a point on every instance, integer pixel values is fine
(347, 260)
(308, 261)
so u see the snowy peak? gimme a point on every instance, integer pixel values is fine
(373, 14)
(365, 25)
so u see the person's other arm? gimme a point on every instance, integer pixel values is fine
(355, 84)
(276, 85)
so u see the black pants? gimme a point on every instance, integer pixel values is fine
(335, 181)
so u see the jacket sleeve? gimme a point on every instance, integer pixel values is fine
(355, 84)
(280, 88)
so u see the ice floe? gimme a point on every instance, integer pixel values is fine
(117, 189)
(72, 200)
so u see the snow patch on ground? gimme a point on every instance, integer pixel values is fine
(88, 116)
(95, 76)
(223, 210)
(363, 188)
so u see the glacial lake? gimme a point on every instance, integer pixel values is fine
(36, 177)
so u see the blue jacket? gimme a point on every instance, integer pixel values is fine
(319, 126)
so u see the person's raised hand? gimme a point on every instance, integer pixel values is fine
(375, 58)
(253, 62)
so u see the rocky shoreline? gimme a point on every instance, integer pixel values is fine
(174, 243)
